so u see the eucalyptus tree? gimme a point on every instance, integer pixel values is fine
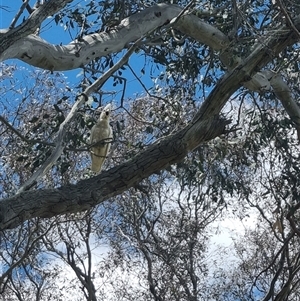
(215, 127)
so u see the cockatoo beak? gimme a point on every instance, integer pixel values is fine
(107, 108)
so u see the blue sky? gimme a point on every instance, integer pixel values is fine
(56, 35)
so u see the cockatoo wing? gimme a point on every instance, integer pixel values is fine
(100, 152)
(101, 133)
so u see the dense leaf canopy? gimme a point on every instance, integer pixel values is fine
(206, 128)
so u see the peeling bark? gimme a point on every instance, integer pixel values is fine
(88, 193)
(10, 37)
(205, 126)
(37, 52)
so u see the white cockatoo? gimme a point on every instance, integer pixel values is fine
(101, 134)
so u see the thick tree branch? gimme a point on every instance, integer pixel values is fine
(90, 192)
(205, 126)
(86, 194)
(12, 36)
(37, 52)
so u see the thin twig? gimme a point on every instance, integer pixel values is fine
(138, 79)
(137, 119)
(184, 10)
(283, 10)
(29, 141)
(15, 19)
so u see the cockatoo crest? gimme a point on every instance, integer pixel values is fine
(101, 137)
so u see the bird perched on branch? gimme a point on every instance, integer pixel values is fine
(101, 138)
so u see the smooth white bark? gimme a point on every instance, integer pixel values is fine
(205, 125)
